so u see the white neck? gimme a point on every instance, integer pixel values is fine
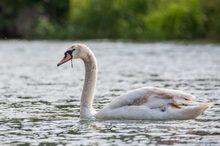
(86, 109)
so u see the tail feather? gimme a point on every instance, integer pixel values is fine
(193, 112)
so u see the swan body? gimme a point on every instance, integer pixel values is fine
(148, 103)
(153, 104)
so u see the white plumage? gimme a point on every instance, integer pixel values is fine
(153, 104)
(148, 103)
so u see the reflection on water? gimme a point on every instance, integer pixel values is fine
(39, 103)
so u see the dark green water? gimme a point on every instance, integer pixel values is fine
(39, 103)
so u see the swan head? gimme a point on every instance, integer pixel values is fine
(74, 52)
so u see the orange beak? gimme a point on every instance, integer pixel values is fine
(66, 58)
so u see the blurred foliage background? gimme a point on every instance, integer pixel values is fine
(112, 19)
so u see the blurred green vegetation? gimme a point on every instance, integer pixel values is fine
(112, 19)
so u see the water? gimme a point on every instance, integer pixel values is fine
(39, 103)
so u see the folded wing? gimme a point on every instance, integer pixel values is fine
(153, 98)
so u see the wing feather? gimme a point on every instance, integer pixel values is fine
(152, 97)
(174, 98)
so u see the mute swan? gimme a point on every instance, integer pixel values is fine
(141, 104)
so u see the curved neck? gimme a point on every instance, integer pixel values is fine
(86, 109)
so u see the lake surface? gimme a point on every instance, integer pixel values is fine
(39, 103)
